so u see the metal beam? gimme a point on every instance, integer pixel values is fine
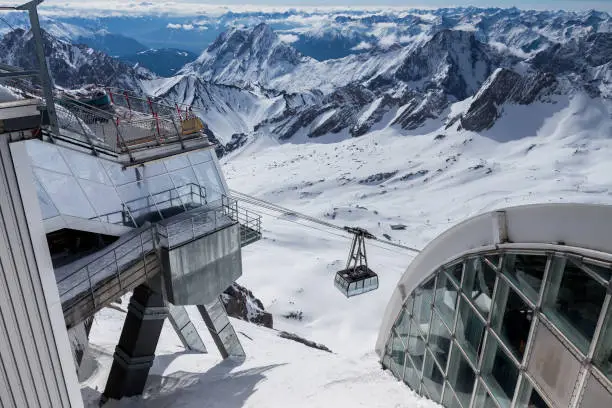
(45, 77)
(18, 74)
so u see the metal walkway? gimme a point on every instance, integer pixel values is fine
(95, 281)
(133, 123)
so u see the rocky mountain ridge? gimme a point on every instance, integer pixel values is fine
(415, 85)
(71, 66)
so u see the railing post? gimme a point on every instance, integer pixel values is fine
(157, 127)
(117, 266)
(93, 297)
(144, 257)
(110, 94)
(192, 228)
(127, 100)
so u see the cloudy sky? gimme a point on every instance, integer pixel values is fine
(193, 6)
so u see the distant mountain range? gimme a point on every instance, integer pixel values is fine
(443, 69)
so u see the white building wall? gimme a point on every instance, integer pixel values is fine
(36, 366)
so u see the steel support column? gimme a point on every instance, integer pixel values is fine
(135, 352)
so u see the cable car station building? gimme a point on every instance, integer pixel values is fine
(95, 204)
(508, 309)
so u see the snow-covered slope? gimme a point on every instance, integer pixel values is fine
(277, 372)
(226, 109)
(428, 182)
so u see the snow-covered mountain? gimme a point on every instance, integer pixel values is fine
(71, 66)
(243, 57)
(411, 87)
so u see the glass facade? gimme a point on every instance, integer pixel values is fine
(465, 334)
(78, 184)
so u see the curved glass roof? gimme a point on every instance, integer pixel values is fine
(506, 325)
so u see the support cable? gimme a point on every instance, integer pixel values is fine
(277, 208)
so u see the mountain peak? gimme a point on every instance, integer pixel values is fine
(454, 59)
(246, 55)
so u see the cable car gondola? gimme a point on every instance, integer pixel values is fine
(357, 278)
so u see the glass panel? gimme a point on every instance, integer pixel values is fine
(483, 399)
(603, 352)
(65, 193)
(526, 272)
(105, 200)
(439, 340)
(446, 299)
(500, 372)
(422, 305)
(137, 199)
(456, 272)
(432, 378)
(411, 375)
(120, 176)
(188, 188)
(163, 192)
(478, 284)
(529, 397)
(470, 331)
(153, 169)
(200, 156)
(85, 166)
(46, 205)
(397, 356)
(512, 319)
(416, 345)
(494, 260)
(450, 401)
(176, 162)
(402, 326)
(461, 376)
(209, 179)
(574, 303)
(603, 272)
(46, 156)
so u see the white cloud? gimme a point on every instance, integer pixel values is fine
(186, 27)
(387, 40)
(362, 46)
(288, 38)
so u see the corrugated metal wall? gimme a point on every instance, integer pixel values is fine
(36, 367)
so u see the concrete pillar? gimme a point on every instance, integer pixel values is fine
(135, 352)
(36, 366)
(185, 329)
(221, 329)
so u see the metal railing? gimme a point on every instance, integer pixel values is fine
(190, 194)
(133, 123)
(101, 279)
(250, 222)
(92, 282)
(209, 219)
